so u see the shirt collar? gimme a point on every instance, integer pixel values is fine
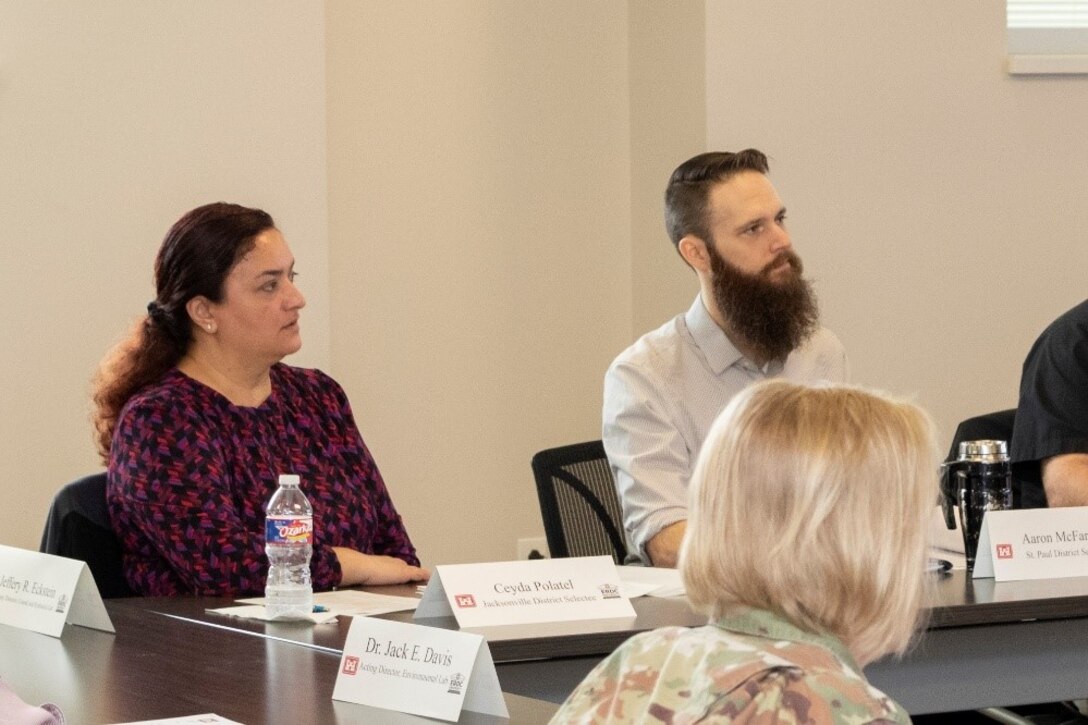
(761, 623)
(718, 350)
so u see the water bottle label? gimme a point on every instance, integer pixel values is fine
(288, 530)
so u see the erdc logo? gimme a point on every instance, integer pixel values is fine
(464, 601)
(1004, 551)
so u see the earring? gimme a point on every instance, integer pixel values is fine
(211, 328)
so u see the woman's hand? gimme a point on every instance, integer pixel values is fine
(358, 568)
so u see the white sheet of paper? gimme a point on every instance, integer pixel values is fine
(420, 670)
(354, 603)
(41, 592)
(205, 719)
(945, 543)
(258, 611)
(957, 559)
(943, 538)
(651, 581)
(1025, 544)
(634, 590)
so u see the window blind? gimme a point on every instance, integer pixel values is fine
(1047, 36)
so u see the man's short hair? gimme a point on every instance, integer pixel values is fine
(812, 503)
(689, 187)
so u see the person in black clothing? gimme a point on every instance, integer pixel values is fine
(1049, 449)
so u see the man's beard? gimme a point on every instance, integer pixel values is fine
(771, 318)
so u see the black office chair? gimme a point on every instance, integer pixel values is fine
(995, 426)
(578, 502)
(78, 527)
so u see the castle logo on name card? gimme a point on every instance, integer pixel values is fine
(609, 591)
(351, 665)
(1004, 551)
(464, 600)
(457, 683)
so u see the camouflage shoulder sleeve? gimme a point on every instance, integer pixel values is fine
(621, 686)
(794, 696)
(679, 675)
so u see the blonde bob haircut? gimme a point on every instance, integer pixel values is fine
(812, 503)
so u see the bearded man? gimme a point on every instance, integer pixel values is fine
(756, 317)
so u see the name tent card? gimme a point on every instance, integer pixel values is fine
(540, 591)
(419, 670)
(1033, 544)
(41, 592)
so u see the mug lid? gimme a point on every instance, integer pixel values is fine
(984, 450)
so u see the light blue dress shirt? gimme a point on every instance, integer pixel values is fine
(661, 396)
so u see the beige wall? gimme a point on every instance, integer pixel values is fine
(491, 235)
(115, 118)
(479, 179)
(668, 125)
(938, 202)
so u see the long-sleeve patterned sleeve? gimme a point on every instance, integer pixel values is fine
(190, 474)
(172, 499)
(390, 537)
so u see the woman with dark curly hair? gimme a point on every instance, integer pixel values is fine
(196, 417)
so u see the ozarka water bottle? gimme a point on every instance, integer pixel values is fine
(288, 543)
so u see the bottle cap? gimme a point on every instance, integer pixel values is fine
(289, 479)
(987, 451)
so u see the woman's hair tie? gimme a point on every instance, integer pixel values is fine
(155, 311)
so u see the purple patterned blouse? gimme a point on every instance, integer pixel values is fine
(190, 474)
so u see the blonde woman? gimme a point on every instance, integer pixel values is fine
(806, 546)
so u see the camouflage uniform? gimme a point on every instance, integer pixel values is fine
(750, 667)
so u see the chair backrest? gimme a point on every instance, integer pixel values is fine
(578, 501)
(997, 426)
(78, 527)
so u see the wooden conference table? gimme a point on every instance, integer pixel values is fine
(987, 644)
(157, 666)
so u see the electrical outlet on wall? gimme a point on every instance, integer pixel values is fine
(532, 548)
